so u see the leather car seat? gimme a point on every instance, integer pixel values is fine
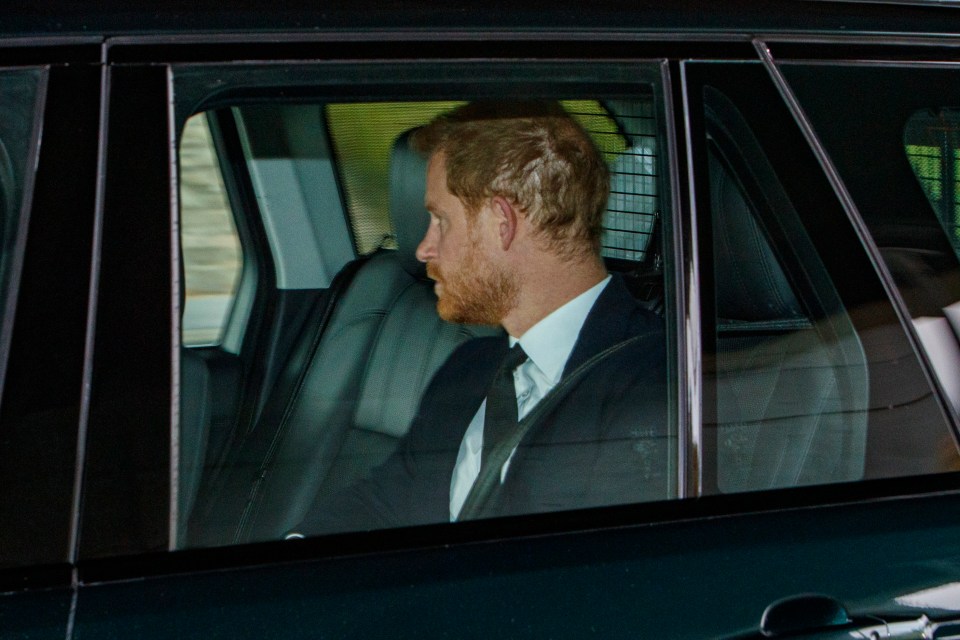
(348, 394)
(792, 392)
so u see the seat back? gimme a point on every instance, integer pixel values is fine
(350, 391)
(195, 424)
(792, 391)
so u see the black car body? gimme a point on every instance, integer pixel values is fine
(800, 242)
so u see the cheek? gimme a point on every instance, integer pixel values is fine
(451, 245)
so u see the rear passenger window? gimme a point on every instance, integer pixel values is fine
(343, 336)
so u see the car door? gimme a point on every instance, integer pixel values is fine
(810, 446)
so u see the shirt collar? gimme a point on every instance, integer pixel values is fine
(549, 343)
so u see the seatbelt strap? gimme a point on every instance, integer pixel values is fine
(482, 496)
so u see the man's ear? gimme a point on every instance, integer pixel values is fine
(507, 219)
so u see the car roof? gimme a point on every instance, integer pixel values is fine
(110, 18)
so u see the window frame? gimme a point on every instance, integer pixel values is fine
(312, 82)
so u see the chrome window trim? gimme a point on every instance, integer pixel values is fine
(175, 310)
(689, 311)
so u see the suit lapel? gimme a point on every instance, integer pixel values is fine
(608, 323)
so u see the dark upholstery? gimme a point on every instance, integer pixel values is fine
(751, 285)
(354, 391)
(195, 424)
(792, 392)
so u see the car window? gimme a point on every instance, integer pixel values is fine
(931, 144)
(791, 373)
(19, 138)
(344, 338)
(22, 95)
(815, 378)
(905, 193)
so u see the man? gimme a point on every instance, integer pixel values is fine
(575, 415)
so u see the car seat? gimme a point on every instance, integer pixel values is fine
(350, 389)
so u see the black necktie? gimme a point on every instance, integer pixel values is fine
(501, 413)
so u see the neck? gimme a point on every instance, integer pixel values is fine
(547, 287)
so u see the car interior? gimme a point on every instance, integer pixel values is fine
(352, 382)
(364, 348)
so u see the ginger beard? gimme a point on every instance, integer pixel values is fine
(475, 291)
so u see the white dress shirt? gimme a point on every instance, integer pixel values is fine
(548, 345)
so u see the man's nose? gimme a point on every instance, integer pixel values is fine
(427, 249)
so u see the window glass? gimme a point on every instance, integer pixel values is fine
(31, 531)
(209, 240)
(891, 133)
(792, 380)
(353, 355)
(814, 378)
(19, 136)
(930, 142)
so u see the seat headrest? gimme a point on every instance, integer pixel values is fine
(408, 178)
(751, 285)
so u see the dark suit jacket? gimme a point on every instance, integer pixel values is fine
(606, 442)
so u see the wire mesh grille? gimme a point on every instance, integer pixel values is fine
(932, 144)
(631, 209)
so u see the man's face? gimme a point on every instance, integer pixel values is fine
(471, 286)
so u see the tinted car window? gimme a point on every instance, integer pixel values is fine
(22, 94)
(930, 142)
(889, 194)
(20, 114)
(346, 384)
(904, 192)
(792, 380)
(816, 379)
